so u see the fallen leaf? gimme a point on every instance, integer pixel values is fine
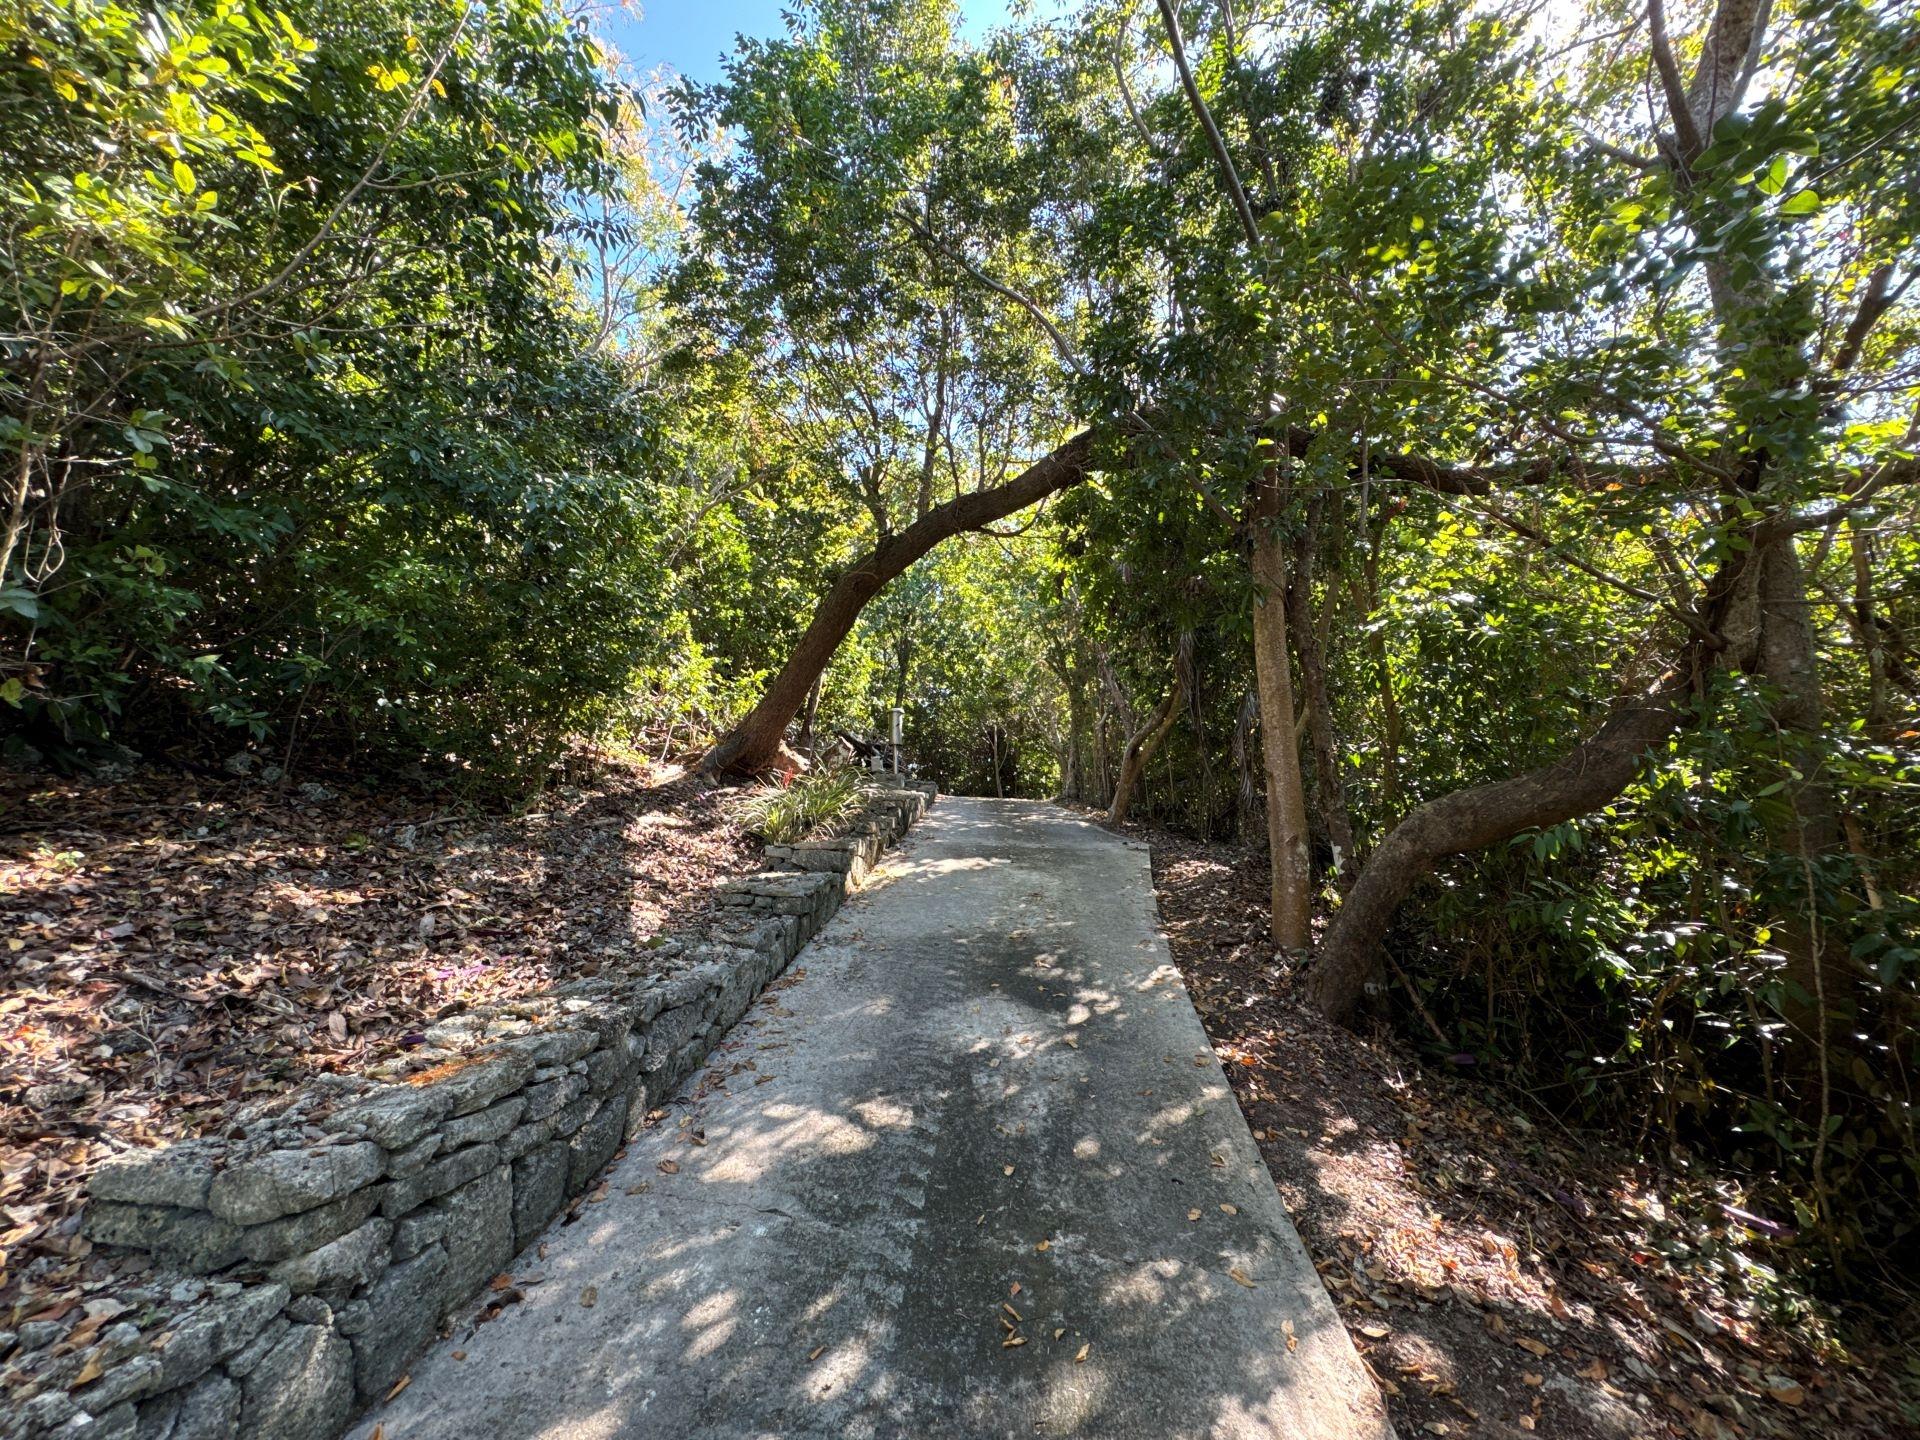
(1070, 1042)
(1239, 1277)
(1080, 1355)
(817, 1352)
(1013, 1341)
(459, 1354)
(1006, 1169)
(1044, 1245)
(1596, 1371)
(1293, 1341)
(1375, 1332)
(1788, 1394)
(1193, 1214)
(1231, 1209)
(398, 1386)
(669, 1167)
(1533, 1346)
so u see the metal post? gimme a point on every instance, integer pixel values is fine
(899, 729)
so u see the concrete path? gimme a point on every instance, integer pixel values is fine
(985, 1099)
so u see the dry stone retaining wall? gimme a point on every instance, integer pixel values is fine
(305, 1257)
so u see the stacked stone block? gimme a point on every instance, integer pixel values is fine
(304, 1258)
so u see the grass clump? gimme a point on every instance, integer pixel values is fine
(818, 804)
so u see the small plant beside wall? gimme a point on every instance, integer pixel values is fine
(814, 805)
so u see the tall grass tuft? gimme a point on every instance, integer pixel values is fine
(817, 804)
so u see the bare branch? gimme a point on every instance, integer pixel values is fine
(1229, 176)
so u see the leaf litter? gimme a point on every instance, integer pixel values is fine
(1453, 1231)
(180, 945)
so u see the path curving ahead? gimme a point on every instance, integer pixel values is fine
(986, 1098)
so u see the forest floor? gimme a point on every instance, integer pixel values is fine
(177, 946)
(1502, 1275)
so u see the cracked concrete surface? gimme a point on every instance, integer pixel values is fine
(983, 1115)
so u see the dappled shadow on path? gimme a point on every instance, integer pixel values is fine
(941, 1187)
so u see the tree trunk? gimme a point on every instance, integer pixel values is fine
(1585, 778)
(811, 711)
(748, 747)
(1279, 743)
(1329, 789)
(1140, 749)
(1823, 993)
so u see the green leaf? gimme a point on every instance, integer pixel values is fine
(1801, 202)
(183, 177)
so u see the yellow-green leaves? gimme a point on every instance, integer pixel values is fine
(389, 77)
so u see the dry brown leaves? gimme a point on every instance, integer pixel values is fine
(175, 946)
(1499, 1275)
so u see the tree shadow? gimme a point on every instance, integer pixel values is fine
(942, 1187)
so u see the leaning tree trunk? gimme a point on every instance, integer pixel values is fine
(1140, 749)
(1583, 779)
(1279, 742)
(751, 744)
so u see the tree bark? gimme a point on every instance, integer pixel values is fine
(1292, 890)
(1329, 789)
(1823, 994)
(811, 710)
(1141, 746)
(1588, 776)
(748, 747)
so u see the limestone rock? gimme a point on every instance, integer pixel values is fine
(483, 1125)
(287, 1182)
(394, 1320)
(298, 1234)
(414, 1232)
(214, 1331)
(300, 1390)
(593, 1144)
(176, 1175)
(477, 1083)
(479, 1233)
(396, 1116)
(190, 1240)
(443, 1175)
(208, 1411)
(543, 1100)
(539, 1190)
(355, 1259)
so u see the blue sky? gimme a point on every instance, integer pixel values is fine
(691, 35)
